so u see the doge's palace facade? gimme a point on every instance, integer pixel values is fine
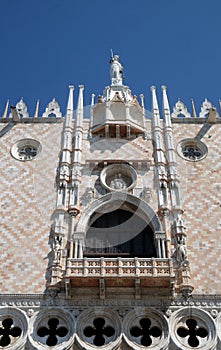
(110, 225)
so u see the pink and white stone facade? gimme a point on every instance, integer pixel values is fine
(59, 292)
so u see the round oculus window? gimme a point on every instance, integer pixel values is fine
(118, 177)
(192, 150)
(26, 149)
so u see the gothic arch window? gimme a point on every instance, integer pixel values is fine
(119, 233)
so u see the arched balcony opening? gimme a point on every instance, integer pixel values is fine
(119, 233)
(118, 242)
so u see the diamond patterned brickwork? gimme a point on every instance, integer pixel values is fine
(201, 192)
(105, 149)
(28, 198)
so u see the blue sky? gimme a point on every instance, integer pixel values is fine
(48, 44)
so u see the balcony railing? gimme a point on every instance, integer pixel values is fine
(117, 267)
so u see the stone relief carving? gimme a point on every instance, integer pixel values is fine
(88, 196)
(64, 172)
(146, 194)
(118, 177)
(118, 183)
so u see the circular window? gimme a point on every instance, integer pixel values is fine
(13, 328)
(118, 177)
(192, 150)
(51, 328)
(146, 328)
(98, 328)
(26, 149)
(193, 328)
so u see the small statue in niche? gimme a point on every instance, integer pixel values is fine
(57, 249)
(180, 251)
(118, 183)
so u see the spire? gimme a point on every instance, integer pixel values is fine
(36, 109)
(157, 143)
(92, 99)
(142, 100)
(155, 108)
(116, 70)
(70, 108)
(6, 110)
(166, 107)
(91, 113)
(193, 109)
(80, 106)
(70, 98)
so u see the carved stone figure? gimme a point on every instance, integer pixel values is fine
(57, 249)
(116, 70)
(146, 194)
(118, 183)
(181, 253)
(87, 196)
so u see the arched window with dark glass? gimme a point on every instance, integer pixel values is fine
(119, 233)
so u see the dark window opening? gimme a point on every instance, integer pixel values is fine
(120, 233)
(193, 332)
(53, 332)
(99, 331)
(8, 331)
(145, 332)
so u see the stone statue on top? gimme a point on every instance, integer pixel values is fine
(116, 70)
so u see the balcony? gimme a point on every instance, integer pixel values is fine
(122, 272)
